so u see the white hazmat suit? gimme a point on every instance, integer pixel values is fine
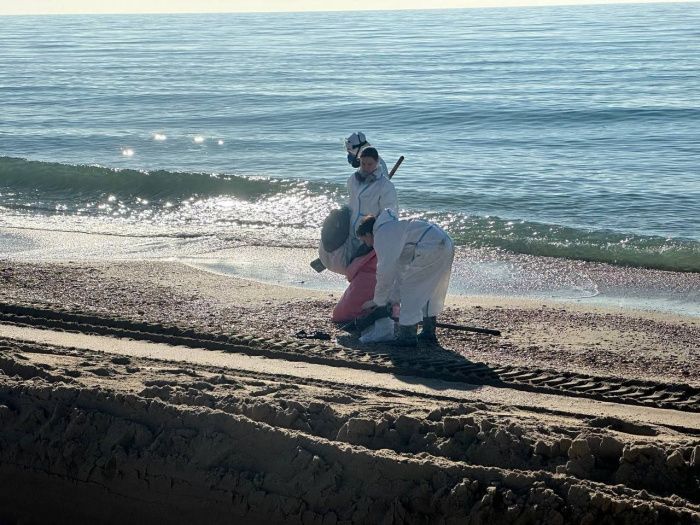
(369, 195)
(414, 259)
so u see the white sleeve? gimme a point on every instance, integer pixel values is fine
(388, 245)
(388, 198)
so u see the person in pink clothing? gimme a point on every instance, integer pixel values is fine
(361, 273)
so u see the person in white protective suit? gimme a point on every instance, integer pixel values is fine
(414, 260)
(369, 190)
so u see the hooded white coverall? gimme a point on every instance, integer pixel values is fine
(416, 256)
(371, 196)
(368, 197)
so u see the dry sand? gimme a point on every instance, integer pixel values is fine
(268, 428)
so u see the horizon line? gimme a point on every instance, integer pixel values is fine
(478, 4)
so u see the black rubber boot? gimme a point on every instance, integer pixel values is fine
(406, 336)
(427, 334)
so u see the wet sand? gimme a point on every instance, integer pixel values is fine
(101, 427)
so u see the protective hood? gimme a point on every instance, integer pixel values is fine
(361, 176)
(354, 145)
(355, 141)
(386, 216)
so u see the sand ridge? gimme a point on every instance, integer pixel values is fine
(259, 447)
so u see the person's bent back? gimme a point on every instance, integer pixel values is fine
(414, 257)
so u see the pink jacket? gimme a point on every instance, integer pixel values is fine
(362, 274)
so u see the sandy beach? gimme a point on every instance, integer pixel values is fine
(135, 391)
(168, 172)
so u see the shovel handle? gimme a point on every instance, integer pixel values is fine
(396, 166)
(488, 331)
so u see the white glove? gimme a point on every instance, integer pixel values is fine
(369, 305)
(382, 330)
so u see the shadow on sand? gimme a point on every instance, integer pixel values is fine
(430, 365)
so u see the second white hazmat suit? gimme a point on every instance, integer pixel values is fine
(414, 260)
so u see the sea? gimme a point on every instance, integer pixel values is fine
(559, 146)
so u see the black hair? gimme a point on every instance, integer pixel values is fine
(370, 152)
(366, 226)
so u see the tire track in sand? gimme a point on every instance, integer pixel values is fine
(434, 363)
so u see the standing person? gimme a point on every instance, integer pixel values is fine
(370, 191)
(414, 258)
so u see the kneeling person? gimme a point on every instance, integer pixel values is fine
(414, 258)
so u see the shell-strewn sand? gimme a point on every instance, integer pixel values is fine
(99, 429)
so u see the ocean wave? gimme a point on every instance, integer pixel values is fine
(70, 182)
(551, 240)
(274, 209)
(453, 115)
